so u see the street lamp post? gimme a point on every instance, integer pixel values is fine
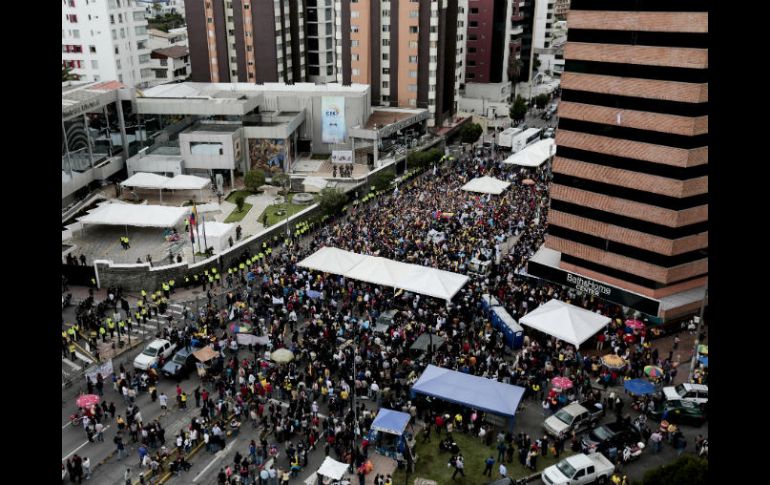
(699, 321)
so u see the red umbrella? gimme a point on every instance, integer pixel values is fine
(562, 383)
(635, 324)
(87, 400)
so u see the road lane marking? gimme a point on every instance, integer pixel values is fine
(81, 446)
(220, 454)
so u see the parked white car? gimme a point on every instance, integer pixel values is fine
(149, 357)
(578, 470)
(694, 393)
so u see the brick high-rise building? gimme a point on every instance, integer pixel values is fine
(629, 198)
(407, 50)
(246, 40)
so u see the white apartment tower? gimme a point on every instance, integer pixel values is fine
(104, 40)
(320, 26)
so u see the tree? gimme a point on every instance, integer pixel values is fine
(687, 470)
(254, 179)
(515, 66)
(331, 200)
(471, 132)
(240, 201)
(281, 180)
(541, 100)
(67, 74)
(518, 109)
(535, 64)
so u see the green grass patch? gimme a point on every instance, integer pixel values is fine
(272, 211)
(245, 193)
(236, 216)
(432, 463)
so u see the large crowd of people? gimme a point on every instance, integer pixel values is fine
(330, 324)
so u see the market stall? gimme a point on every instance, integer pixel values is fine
(388, 433)
(330, 473)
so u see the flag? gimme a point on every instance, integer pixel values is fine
(192, 235)
(194, 215)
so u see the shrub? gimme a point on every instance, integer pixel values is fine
(471, 132)
(240, 201)
(254, 179)
(331, 200)
(687, 470)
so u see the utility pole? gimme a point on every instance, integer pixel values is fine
(699, 321)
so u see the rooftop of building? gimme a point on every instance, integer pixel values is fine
(385, 116)
(78, 96)
(174, 52)
(241, 90)
(203, 127)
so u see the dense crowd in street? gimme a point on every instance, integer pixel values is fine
(329, 322)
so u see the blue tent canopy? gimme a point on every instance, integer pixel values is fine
(704, 359)
(389, 421)
(639, 387)
(471, 391)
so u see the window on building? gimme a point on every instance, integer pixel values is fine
(112, 19)
(385, 57)
(433, 29)
(210, 20)
(412, 59)
(471, 63)
(385, 98)
(385, 42)
(386, 70)
(471, 50)
(473, 24)
(117, 63)
(122, 33)
(355, 14)
(329, 70)
(248, 48)
(76, 33)
(412, 73)
(353, 43)
(355, 57)
(470, 75)
(386, 13)
(474, 10)
(354, 29)
(385, 84)
(412, 102)
(120, 18)
(472, 37)
(414, 14)
(413, 44)
(386, 28)
(413, 29)
(356, 72)
(412, 88)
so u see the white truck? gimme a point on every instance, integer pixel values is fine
(573, 417)
(579, 470)
(505, 139)
(524, 139)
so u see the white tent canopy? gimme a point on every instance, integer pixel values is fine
(217, 234)
(332, 260)
(386, 272)
(566, 322)
(144, 180)
(486, 185)
(333, 469)
(137, 215)
(187, 182)
(535, 154)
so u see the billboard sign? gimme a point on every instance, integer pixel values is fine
(333, 119)
(342, 156)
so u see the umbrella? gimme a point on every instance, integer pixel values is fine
(87, 400)
(239, 328)
(613, 361)
(282, 356)
(561, 382)
(703, 349)
(528, 182)
(635, 324)
(653, 371)
(640, 387)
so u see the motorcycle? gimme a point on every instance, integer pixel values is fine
(632, 452)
